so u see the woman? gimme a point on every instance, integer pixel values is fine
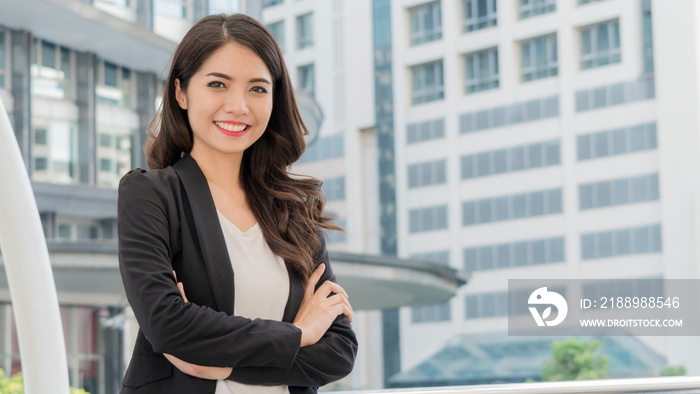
(220, 212)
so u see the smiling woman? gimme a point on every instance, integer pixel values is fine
(219, 200)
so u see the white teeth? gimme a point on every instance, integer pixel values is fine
(231, 127)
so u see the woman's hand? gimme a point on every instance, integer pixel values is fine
(319, 309)
(198, 371)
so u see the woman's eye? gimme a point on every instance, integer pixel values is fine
(216, 84)
(259, 89)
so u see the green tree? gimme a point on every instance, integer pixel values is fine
(575, 359)
(673, 370)
(15, 384)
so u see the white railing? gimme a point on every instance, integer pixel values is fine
(673, 384)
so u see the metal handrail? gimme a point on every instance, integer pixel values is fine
(680, 384)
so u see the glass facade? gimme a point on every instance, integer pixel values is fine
(115, 85)
(3, 58)
(621, 242)
(479, 14)
(512, 207)
(428, 84)
(530, 8)
(515, 254)
(277, 31)
(481, 71)
(517, 158)
(55, 151)
(426, 23)
(305, 32)
(600, 45)
(539, 58)
(306, 79)
(51, 71)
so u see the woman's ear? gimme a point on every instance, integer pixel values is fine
(180, 95)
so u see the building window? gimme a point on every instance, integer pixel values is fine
(647, 41)
(428, 219)
(621, 242)
(539, 58)
(429, 173)
(114, 155)
(517, 158)
(324, 148)
(51, 71)
(3, 58)
(114, 86)
(440, 256)
(277, 31)
(481, 71)
(600, 45)
(479, 14)
(515, 254)
(425, 131)
(431, 313)
(517, 206)
(515, 113)
(224, 6)
(270, 3)
(427, 83)
(619, 192)
(617, 142)
(337, 237)
(530, 8)
(118, 3)
(306, 78)
(619, 93)
(305, 32)
(426, 23)
(170, 8)
(487, 305)
(55, 151)
(334, 189)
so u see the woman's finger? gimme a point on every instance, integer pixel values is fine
(181, 287)
(314, 278)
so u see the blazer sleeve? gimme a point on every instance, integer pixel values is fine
(330, 359)
(194, 333)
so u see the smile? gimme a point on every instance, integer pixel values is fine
(231, 129)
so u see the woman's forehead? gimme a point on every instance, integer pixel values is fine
(237, 61)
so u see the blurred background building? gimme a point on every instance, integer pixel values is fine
(506, 138)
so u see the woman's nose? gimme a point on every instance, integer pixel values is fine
(236, 103)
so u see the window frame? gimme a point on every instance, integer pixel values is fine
(474, 23)
(418, 33)
(427, 93)
(534, 71)
(481, 83)
(304, 41)
(597, 58)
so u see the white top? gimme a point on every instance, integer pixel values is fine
(261, 289)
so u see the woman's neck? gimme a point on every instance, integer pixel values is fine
(220, 169)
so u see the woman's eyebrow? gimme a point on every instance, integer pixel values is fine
(263, 80)
(219, 75)
(226, 77)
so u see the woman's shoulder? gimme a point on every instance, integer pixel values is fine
(156, 179)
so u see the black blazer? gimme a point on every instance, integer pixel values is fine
(167, 220)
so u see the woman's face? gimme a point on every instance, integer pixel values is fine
(228, 102)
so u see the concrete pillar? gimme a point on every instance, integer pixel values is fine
(86, 98)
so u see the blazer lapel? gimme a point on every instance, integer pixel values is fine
(209, 234)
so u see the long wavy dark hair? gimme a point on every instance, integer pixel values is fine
(288, 207)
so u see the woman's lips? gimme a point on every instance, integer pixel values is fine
(232, 129)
